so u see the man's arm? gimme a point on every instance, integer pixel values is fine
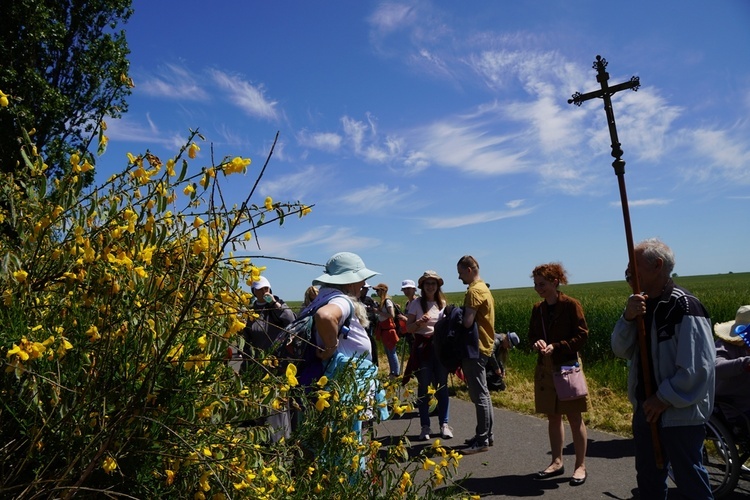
(469, 316)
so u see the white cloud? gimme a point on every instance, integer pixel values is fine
(391, 16)
(468, 146)
(649, 202)
(173, 82)
(329, 238)
(248, 97)
(371, 199)
(324, 141)
(477, 218)
(296, 185)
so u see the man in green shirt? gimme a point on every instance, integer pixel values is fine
(479, 308)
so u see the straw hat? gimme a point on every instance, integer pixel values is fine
(729, 331)
(344, 268)
(431, 274)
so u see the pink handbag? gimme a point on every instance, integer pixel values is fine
(570, 383)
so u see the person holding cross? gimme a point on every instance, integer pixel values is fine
(681, 355)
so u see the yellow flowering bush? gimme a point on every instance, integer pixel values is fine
(119, 306)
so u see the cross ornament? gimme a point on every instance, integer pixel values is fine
(600, 65)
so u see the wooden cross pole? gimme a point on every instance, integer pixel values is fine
(606, 92)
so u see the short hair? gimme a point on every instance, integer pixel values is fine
(550, 272)
(654, 249)
(468, 262)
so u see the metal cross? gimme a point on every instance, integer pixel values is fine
(605, 93)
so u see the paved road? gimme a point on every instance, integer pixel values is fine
(522, 448)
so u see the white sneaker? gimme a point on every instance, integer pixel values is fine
(446, 431)
(425, 434)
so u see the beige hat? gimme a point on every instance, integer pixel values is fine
(730, 331)
(430, 274)
(381, 286)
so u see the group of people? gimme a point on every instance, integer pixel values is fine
(664, 332)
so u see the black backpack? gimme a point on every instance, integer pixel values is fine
(296, 343)
(448, 339)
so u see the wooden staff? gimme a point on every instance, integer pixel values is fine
(605, 93)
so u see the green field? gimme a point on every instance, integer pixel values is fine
(603, 302)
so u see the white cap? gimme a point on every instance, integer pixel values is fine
(408, 284)
(262, 281)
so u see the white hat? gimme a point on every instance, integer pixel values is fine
(262, 281)
(408, 284)
(730, 331)
(344, 268)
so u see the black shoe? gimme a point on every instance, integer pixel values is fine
(546, 475)
(578, 482)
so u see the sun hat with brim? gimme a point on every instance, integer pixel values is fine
(381, 286)
(408, 284)
(730, 331)
(344, 268)
(261, 282)
(431, 275)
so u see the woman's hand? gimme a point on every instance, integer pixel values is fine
(543, 347)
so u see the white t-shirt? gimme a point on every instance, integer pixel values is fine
(434, 313)
(356, 342)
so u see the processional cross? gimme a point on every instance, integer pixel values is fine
(606, 92)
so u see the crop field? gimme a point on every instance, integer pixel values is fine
(603, 303)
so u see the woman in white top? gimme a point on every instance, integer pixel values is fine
(344, 276)
(422, 315)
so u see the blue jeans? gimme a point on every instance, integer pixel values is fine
(476, 380)
(432, 371)
(393, 363)
(682, 448)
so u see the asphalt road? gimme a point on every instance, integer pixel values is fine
(522, 448)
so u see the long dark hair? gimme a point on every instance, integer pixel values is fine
(439, 297)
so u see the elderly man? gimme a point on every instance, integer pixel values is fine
(681, 356)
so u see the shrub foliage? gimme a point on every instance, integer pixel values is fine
(119, 304)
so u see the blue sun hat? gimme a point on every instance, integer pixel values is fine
(344, 268)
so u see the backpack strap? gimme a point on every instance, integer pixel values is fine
(322, 300)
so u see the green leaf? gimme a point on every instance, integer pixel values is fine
(183, 171)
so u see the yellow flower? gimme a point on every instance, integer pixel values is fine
(322, 381)
(109, 464)
(189, 189)
(93, 333)
(203, 481)
(20, 275)
(193, 150)
(198, 222)
(170, 476)
(3, 99)
(268, 203)
(305, 210)
(202, 342)
(322, 402)
(237, 165)
(291, 372)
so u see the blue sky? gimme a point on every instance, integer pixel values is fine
(426, 130)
